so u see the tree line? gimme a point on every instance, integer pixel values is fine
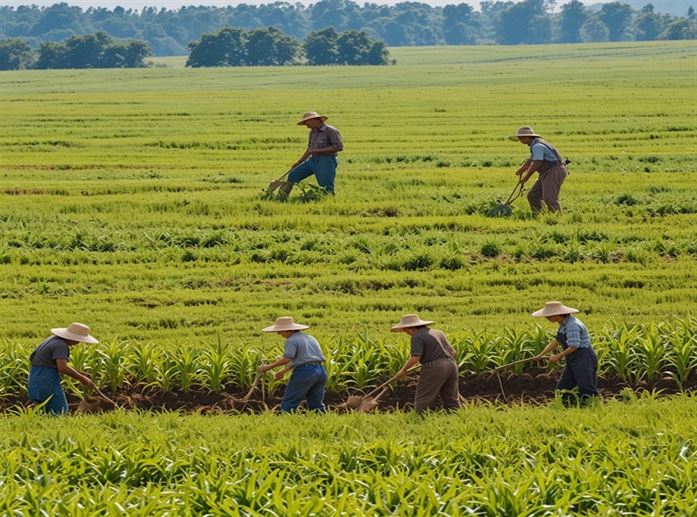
(169, 32)
(90, 51)
(271, 47)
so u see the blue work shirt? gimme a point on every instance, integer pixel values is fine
(539, 151)
(576, 333)
(302, 349)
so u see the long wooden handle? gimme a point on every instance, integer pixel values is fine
(520, 361)
(388, 382)
(254, 385)
(99, 392)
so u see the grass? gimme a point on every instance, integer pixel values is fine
(130, 197)
(620, 458)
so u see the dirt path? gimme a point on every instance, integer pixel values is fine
(536, 386)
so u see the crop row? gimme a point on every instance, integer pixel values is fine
(642, 353)
(621, 459)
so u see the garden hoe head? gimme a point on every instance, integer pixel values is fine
(97, 404)
(369, 402)
(278, 188)
(504, 209)
(248, 396)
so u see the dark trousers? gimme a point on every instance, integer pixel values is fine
(546, 189)
(438, 379)
(306, 383)
(581, 371)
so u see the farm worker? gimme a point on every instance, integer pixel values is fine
(50, 360)
(581, 369)
(302, 355)
(324, 142)
(439, 375)
(545, 159)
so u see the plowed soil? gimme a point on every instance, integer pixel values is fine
(536, 386)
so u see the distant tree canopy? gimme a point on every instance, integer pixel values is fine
(270, 47)
(169, 32)
(91, 51)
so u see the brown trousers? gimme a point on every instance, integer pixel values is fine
(546, 189)
(437, 379)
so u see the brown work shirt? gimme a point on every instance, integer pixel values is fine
(431, 344)
(325, 136)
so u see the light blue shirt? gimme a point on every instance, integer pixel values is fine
(576, 333)
(302, 349)
(540, 151)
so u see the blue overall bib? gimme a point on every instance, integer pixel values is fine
(581, 370)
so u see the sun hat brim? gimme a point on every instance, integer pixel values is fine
(321, 117)
(560, 311)
(515, 138)
(66, 334)
(402, 326)
(283, 328)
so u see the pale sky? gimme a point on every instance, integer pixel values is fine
(174, 4)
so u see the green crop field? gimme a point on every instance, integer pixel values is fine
(130, 201)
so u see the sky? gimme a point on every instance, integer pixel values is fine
(174, 4)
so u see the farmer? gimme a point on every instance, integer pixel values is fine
(50, 360)
(439, 375)
(319, 158)
(581, 369)
(545, 159)
(302, 355)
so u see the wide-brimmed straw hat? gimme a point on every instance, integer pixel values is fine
(554, 309)
(75, 332)
(310, 115)
(285, 323)
(523, 132)
(408, 321)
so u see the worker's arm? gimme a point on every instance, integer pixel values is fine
(327, 150)
(64, 369)
(412, 361)
(550, 346)
(304, 157)
(278, 362)
(567, 351)
(533, 167)
(525, 165)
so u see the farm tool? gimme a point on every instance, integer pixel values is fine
(504, 209)
(498, 369)
(369, 402)
(248, 396)
(96, 405)
(281, 185)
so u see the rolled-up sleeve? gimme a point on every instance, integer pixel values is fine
(417, 346)
(335, 138)
(290, 349)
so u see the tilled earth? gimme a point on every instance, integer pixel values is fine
(535, 386)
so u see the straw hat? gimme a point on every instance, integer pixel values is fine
(310, 115)
(554, 309)
(523, 132)
(75, 332)
(285, 323)
(408, 321)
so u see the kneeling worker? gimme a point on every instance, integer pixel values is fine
(581, 369)
(324, 142)
(302, 355)
(50, 360)
(439, 374)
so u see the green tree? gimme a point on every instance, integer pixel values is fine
(15, 54)
(226, 47)
(321, 47)
(680, 29)
(525, 22)
(647, 25)
(594, 30)
(269, 47)
(573, 16)
(617, 18)
(459, 25)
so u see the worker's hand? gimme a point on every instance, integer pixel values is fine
(264, 368)
(87, 382)
(88, 375)
(280, 375)
(554, 358)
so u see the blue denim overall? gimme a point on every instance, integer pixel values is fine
(581, 370)
(306, 382)
(45, 385)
